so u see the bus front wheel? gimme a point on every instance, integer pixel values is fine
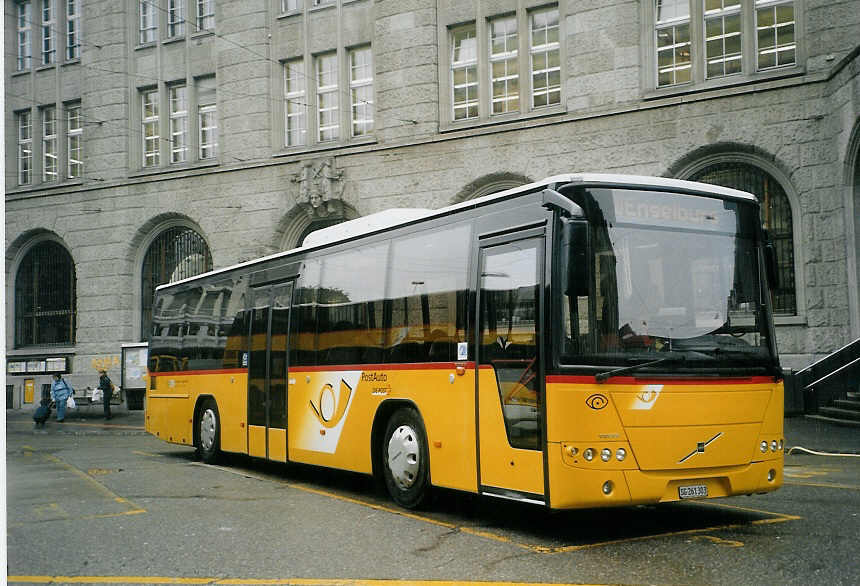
(209, 432)
(406, 460)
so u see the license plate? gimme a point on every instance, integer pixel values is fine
(695, 491)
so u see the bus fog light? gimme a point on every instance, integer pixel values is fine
(588, 454)
(620, 454)
(771, 474)
(607, 487)
(763, 446)
(605, 454)
(773, 446)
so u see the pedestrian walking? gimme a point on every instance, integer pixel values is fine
(106, 387)
(60, 393)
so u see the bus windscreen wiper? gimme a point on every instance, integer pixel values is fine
(602, 376)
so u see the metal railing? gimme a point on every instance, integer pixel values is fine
(830, 378)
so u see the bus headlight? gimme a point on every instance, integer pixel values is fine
(588, 454)
(605, 454)
(773, 446)
(620, 454)
(763, 446)
(779, 446)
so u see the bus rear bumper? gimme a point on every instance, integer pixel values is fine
(583, 488)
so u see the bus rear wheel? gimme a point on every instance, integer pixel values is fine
(406, 460)
(208, 432)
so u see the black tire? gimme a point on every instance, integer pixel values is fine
(208, 432)
(406, 459)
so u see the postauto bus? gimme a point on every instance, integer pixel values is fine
(583, 341)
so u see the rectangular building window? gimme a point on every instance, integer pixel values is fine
(361, 90)
(327, 97)
(49, 144)
(464, 72)
(545, 58)
(775, 32)
(504, 65)
(25, 147)
(178, 108)
(290, 5)
(673, 41)
(722, 37)
(151, 135)
(49, 49)
(74, 145)
(205, 15)
(73, 29)
(207, 118)
(295, 103)
(175, 18)
(148, 21)
(25, 38)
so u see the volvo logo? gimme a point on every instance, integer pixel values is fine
(700, 448)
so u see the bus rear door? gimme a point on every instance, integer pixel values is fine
(510, 386)
(267, 371)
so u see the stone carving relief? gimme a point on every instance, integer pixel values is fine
(320, 189)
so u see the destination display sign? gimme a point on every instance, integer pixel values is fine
(673, 210)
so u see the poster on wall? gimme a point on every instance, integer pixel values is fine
(134, 366)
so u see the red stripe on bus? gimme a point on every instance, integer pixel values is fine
(198, 372)
(402, 366)
(628, 380)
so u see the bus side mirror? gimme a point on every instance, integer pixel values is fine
(575, 241)
(770, 262)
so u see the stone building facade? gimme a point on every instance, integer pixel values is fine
(150, 140)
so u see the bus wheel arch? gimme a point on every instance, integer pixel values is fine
(399, 432)
(207, 429)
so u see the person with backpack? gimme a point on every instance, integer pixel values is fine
(60, 393)
(106, 387)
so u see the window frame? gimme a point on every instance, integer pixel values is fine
(50, 144)
(525, 51)
(48, 21)
(24, 120)
(327, 91)
(750, 70)
(152, 121)
(24, 35)
(205, 16)
(362, 110)
(147, 22)
(73, 30)
(207, 110)
(178, 123)
(74, 141)
(507, 56)
(175, 19)
(296, 96)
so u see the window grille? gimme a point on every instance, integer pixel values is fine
(45, 297)
(176, 254)
(776, 218)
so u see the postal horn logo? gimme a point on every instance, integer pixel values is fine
(331, 406)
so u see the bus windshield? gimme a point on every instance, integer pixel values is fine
(659, 275)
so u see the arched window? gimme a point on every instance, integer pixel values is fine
(776, 219)
(175, 254)
(45, 297)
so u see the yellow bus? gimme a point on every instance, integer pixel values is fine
(584, 341)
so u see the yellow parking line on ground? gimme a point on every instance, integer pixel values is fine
(285, 581)
(824, 485)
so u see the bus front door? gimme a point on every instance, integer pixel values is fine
(267, 372)
(510, 389)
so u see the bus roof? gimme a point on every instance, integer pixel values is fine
(396, 217)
